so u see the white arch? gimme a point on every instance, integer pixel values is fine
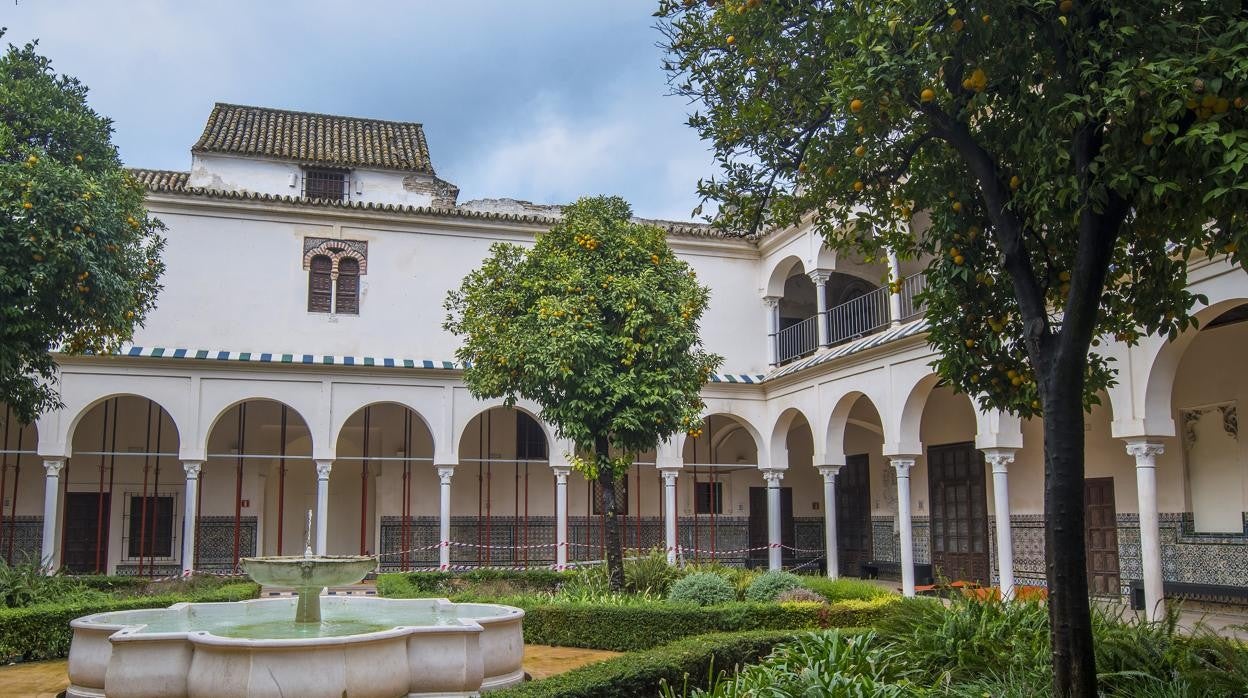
(779, 273)
(340, 423)
(838, 421)
(84, 410)
(425, 401)
(221, 410)
(783, 425)
(739, 421)
(80, 392)
(526, 406)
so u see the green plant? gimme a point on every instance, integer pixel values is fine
(26, 584)
(843, 588)
(767, 586)
(800, 595)
(703, 589)
(644, 673)
(650, 574)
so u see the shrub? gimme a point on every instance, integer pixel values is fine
(843, 588)
(26, 584)
(637, 627)
(483, 584)
(644, 673)
(42, 631)
(650, 574)
(766, 587)
(800, 595)
(703, 589)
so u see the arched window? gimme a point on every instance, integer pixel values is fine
(347, 300)
(320, 284)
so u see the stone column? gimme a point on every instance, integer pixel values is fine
(775, 555)
(190, 512)
(49, 553)
(820, 278)
(561, 515)
(669, 512)
(829, 473)
(1000, 459)
(1145, 453)
(444, 515)
(322, 505)
(773, 329)
(903, 464)
(894, 292)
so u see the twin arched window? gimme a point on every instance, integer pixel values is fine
(334, 286)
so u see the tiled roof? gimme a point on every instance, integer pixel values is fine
(907, 329)
(317, 139)
(168, 182)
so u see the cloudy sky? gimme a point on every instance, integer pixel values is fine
(544, 100)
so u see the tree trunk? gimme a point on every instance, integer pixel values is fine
(607, 481)
(1070, 634)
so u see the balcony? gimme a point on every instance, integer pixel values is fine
(861, 316)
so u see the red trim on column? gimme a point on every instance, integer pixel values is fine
(281, 484)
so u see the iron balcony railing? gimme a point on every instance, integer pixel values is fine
(850, 320)
(911, 286)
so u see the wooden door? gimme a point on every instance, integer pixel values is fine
(959, 522)
(1101, 536)
(758, 523)
(84, 511)
(853, 515)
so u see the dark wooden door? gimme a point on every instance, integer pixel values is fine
(1101, 536)
(84, 513)
(853, 515)
(758, 523)
(959, 513)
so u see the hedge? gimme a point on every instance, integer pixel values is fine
(643, 673)
(42, 631)
(425, 584)
(629, 628)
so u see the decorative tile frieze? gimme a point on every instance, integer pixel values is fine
(24, 538)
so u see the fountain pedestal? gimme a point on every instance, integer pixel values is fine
(308, 574)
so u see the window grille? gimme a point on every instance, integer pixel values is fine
(158, 538)
(320, 284)
(347, 298)
(331, 185)
(708, 498)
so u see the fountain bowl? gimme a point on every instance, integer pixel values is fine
(302, 572)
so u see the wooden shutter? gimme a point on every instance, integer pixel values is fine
(347, 301)
(320, 289)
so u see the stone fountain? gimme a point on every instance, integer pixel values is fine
(358, 646)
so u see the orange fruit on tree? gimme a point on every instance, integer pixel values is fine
(1066, 6)
(858, 185)
(855, 106)
(927, 95)
(860, 150)
(1015, 182)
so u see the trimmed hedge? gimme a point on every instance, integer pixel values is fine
(643, 673)
(42, 631)
(630, 628)
(436, 584)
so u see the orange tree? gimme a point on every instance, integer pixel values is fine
(1058, 162)
(598, 324)
(79, 255)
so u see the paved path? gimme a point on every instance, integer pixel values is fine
(47, 679)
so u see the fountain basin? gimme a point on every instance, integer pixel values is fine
(364, 647)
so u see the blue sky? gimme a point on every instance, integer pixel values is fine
(544, 100)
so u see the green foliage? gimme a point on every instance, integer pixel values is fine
(800, 595)
(79, 254)
(650, 574)
(26, 584)
(634, 627)
(597, 324)
(484, 584)
(42, 631)
(703, 589)
(978, 648)
(644, 673)
(1042, 144)
(767, 586)
(843, 588)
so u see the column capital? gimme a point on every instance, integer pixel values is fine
(669, 475)
(53, 466)
(773, 476)
(561, 473)
(772, 302)
(323, 467)
(999, 458)
(1145, 452)
(444, 473)
(820, 276)
(192, 468)
(902, 464)
(829, 472)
